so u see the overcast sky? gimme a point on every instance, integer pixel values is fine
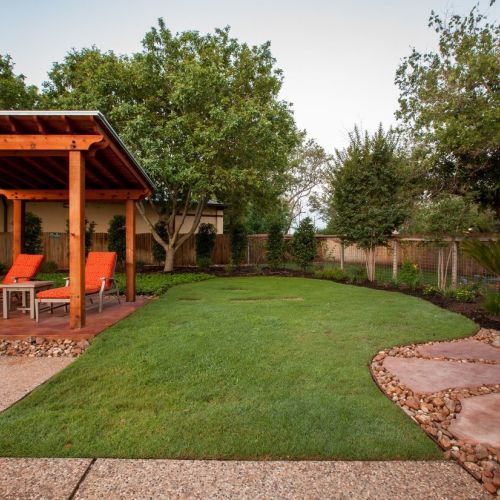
(338, 57)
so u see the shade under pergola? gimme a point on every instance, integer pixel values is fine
(73, 156)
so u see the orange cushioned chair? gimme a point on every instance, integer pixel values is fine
(24, 268)
(99, 280)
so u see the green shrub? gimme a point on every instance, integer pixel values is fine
(431, 290)
(32, 233)
(275, 245)
(239, 242)
(410, 275)
(139, 266)
(304, 244)
(3, 269)
(159, 283)
(491, 301)
(331, 273)
(116, 237)
(89, 233)
(463, 293)
(158, 250)
(205, 243)
(357, 274)
(49, 266)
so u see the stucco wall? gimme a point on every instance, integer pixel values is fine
(55, 214)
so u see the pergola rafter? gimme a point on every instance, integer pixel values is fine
(76, 157)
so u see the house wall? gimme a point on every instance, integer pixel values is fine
(55, 214)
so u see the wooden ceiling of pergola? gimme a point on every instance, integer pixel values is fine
(108, 163)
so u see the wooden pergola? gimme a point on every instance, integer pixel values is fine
(72, 156)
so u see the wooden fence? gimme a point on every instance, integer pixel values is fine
(412, 249)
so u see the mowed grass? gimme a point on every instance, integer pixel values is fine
(248, 368)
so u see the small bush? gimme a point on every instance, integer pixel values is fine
(332, 273)
(410, 275)
(3, 269)
(304, 244)
(32, 234)
(431, 290)
(357, 274)
(49, 266)
(239, 242)
(139, 266)
(275, 245)
(464, 293)
(491, 301)
(159, 283)
(116, 237)
(205, 243)
(203, 262)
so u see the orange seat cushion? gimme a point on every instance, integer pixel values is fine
(24, 267)
(62, 292)
(99, 265)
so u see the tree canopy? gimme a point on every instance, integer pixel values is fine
(450, 106)
(367, 196)
(201, 112)
(14, 93)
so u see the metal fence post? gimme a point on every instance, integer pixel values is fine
(454, 264)
(394, 260)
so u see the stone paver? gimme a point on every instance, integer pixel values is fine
(428, 376)
(20, 375)
(479, 420)
(109, 478)
(34, 478)
(462, 349)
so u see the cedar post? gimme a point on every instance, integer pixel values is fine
(394, 259)
(130, 250)
(17, 228)
(77, 239)
(454, 264)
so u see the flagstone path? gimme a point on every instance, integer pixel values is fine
(452, 390)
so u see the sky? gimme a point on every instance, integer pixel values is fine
(338, 57)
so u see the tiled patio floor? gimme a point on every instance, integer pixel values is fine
(56, 326)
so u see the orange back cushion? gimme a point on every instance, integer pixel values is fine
(99, 265)
(24, 267)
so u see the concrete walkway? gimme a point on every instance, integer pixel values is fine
(104, 478)
(20, 375)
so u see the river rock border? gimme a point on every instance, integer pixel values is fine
(36, 347)
(435, 412)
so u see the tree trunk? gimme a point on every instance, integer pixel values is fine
(370, 263)
(169, 260)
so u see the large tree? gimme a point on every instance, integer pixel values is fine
(450, 105)
(201, 112)
(367, 192)
(14, 92)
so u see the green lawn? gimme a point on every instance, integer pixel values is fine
(236, 368)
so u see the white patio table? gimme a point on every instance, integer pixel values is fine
(28, 291)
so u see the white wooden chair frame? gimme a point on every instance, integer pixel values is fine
(112, 290)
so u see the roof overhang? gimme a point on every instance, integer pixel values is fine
(34, 147)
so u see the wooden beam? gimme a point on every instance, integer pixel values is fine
(126, 161)
(52, 142)
(130, 250)
(17, 229)
(77, 239)
(64, 195)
